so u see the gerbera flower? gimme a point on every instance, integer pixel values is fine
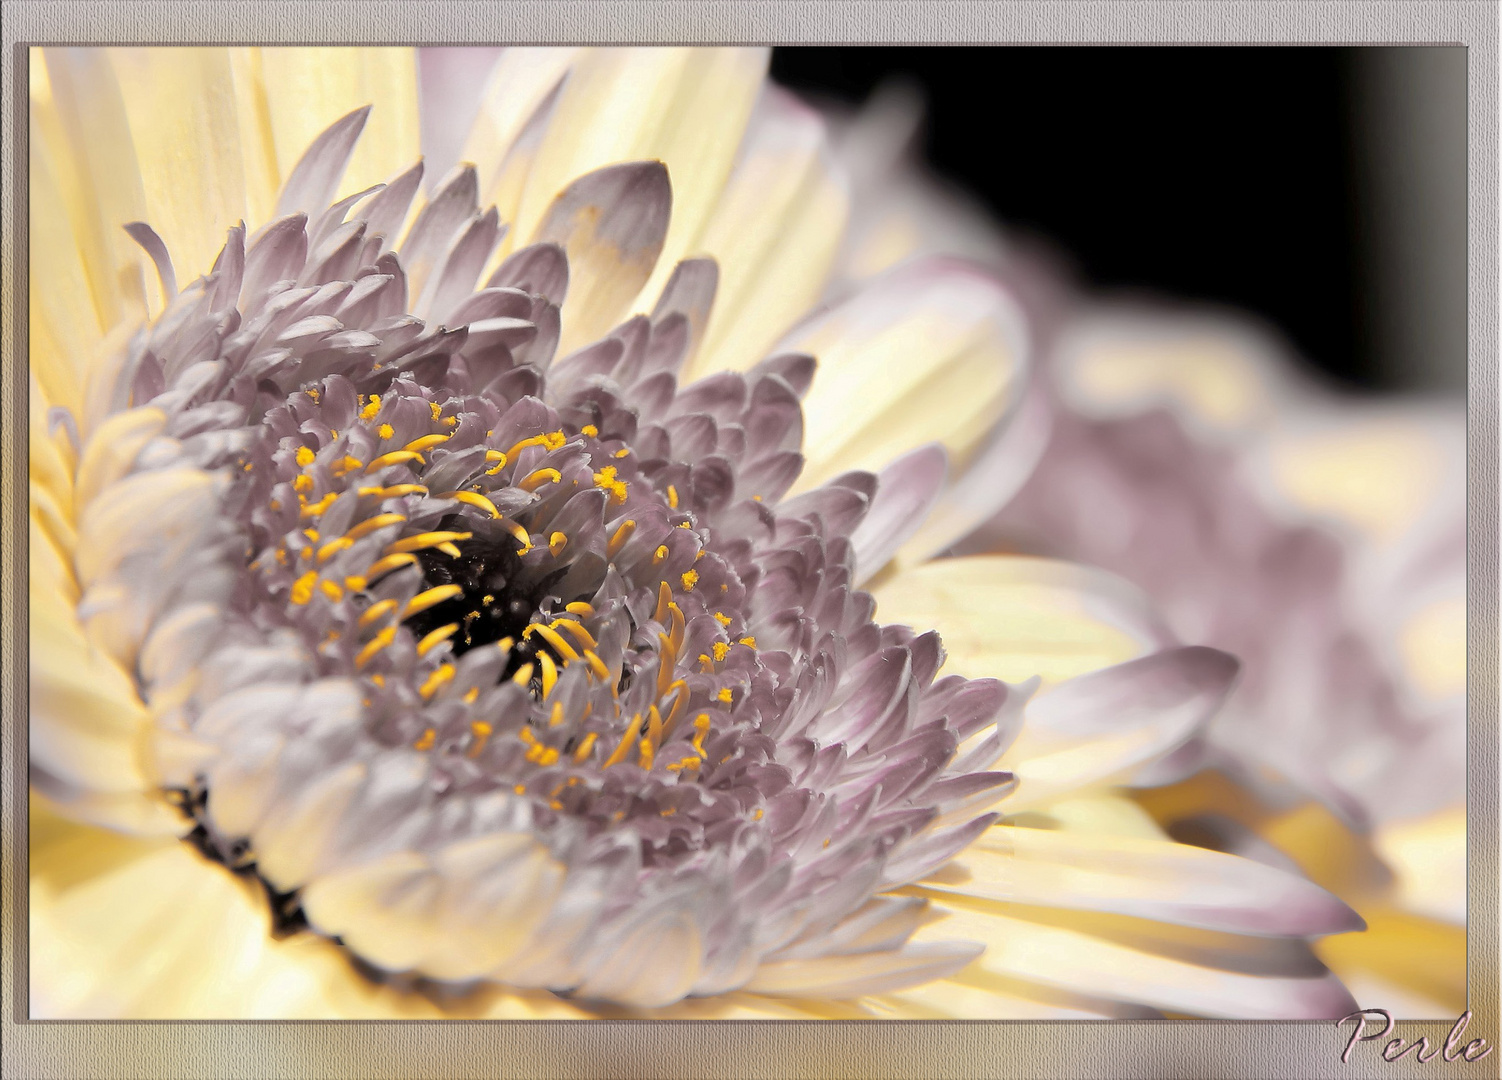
(1319, 537)
(451, 604)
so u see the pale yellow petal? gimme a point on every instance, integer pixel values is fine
(199, 173)
(521, 80)
(1433, 644)
(774, 234)
(933, 352)
(50, 462)
(1423, 956)
(308, 88)
(1011, 618)
(1428, 856)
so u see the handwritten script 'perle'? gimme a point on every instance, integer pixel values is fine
(1474, 1050)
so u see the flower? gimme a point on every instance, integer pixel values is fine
(502, 675)
(1318, 537)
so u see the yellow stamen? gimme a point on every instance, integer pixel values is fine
(425, 741)
(523, 675)
(304, 456)
(590, 430)
(654, 726)
(690, 579)
(553, 638)
(537, 479)
(660, 554)
(596, 665)
(579, 607)
(748, 641)
(585, 746)
(390, 563)
(332, 589)
(435, 409)
(393, 491)
(722, 618)
(424, 600)
(721, 650)
(302, 483)
(684, 763)
(375, 645)
(436, 638)
(347, 464)
(664, 603)
(371, 524)
(623, 748)
(427, 442)
(333, 547)
(667, 658)
(375, 612)
(583, 636)
(645, 753)
(448, 549)
(549, 674)
(355, 583)
(672, 497)
(302, 588)
(725, 695)
(385, 431)
(557, 542)
(440, 677)
(619, 537)
(369, 412)
(679, 690)
(424, 540)
(701, 728)
(622, 452)
(471, 694)
(495, 455)
(472, 498)
(393, 458)
(481, 732)
(555, 715)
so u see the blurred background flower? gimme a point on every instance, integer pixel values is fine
(1287, 480)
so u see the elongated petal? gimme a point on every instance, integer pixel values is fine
(932, 352)
(905, 492)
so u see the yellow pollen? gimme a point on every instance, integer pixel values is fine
(347, 464)
(332, 589)
(302, 588)
(275, 504)
(672, 496)
(721, 650)
(555, 715)
(622, 452)
(424, 540)
(580, 607)
(757, 816)
(596, 665)
(706, 664)
(369, 412)
(690, 579)
(644, 752)
(537, 479)
(606, 481)
(355, 583)
(553, 638)
(725, 695)
(424, 600)
(619, 537)
(389, 563)
(304, 456)
(439, 678)
(557, 542)
(590, 430)
(314, 509)
(471, 694)
(375, 645)
(684, 763)
(371, 524)
(436, 409)
(311, 534)
(756, 498)
(585, 746)
(722, 618)
(248, 466)
(417, 446)
(481, 732)
(623, 748)
(305, 553)
(504, 645)
(523, 675)
(660, 554)
(669, 811)
(436, 638)
(312, 393)
(425, 741)
(393, 458)
(520, 789)
(302, 483)
(448, 549)
(375, 612)
(581, 635)
(664, 603)
(385, 431)
(684, 525)
(281, 556)
(748, 641)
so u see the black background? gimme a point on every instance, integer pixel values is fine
(1216, 174)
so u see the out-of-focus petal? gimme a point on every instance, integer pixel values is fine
(773, 232)
(448, 81)
(1012, 618)
(932, 352)
(1428, 856)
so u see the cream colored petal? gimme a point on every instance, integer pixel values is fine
(184, 111)
(521, 79)
(307, 89)
(1147, 878)
(79, 118)
(684, 107)
(1428, 855)
(774, 233)
(1010, 618)
(50, 464)
(133, 929)
(932, 352)
(1433, 645)
(976, 994)
(1084, 963)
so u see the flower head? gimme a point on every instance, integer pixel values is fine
(498, 648)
